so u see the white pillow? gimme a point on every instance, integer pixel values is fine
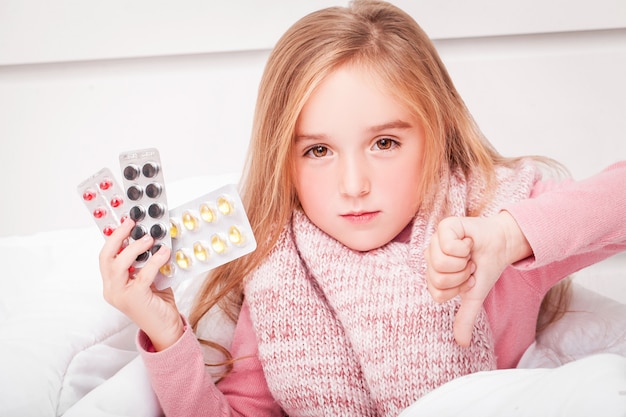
(58, 338)
(127, 393)
(593, 324)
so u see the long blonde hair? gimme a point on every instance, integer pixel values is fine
(390, 44)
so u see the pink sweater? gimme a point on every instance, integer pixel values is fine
(594, 209)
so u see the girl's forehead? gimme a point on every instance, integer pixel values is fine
(361, 75)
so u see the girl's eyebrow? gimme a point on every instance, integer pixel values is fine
(312, 137)
(395, 124)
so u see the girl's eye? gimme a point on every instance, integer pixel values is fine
(385, 144)
(317, 151)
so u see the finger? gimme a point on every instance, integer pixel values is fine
(452, 239)
(134, 249)
(116, 273)
(465, 320)
(441, 296)
(441, 265)
(449, 280)
(114, 242)
(151, 267)
(459, 249)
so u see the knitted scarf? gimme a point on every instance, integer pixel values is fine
(350, 333)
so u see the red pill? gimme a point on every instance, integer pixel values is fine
(89, 195)
(99, 213)
(108, 230)
(116, 201)
(105, 184)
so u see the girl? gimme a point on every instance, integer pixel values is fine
(397, 249)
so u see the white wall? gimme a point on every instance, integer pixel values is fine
(81, 81)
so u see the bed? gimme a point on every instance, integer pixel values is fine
(65, 352)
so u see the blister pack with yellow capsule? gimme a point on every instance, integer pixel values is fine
(206, 232)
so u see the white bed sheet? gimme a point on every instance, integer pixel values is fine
(592, 386)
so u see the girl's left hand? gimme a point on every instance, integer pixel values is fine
(466, 256)
(154, 311)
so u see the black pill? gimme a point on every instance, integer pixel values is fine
(150, 169)
(134, 192)
(131, 172)
(156, 210)
(137, 213)
(138, 232)
(143, 257)
(158, 231)
(153, 190)
(155, 248)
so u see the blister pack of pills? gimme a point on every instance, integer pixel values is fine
(203, 234)
(105, 200)
(207, 232)
(144, 186)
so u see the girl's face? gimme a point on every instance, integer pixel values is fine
(358, 160)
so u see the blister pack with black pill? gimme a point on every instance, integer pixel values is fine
(144, 187)
(105, 200)
(206, 232)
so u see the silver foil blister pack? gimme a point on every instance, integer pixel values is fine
(144, 187)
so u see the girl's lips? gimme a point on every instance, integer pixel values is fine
(360, 217)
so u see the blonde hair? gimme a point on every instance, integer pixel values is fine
(387, 42)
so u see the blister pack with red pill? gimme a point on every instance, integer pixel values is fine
(144, 186)
(104, 199)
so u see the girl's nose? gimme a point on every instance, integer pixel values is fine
(354, 178)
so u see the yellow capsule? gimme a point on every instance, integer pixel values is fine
(200, 251)
(167, 270)
(235, 236)
(182, 259)
(207, 213)
(218, 244)
(173, 230)
(190, 221)
(224, 206)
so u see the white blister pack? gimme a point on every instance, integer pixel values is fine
(206, 232)
(105, 200)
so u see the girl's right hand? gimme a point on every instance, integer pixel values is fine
(154, 311)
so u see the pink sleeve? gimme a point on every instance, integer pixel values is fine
(573, 224)
(184, 388)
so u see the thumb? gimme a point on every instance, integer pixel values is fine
(465, 319)
(151, 267)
